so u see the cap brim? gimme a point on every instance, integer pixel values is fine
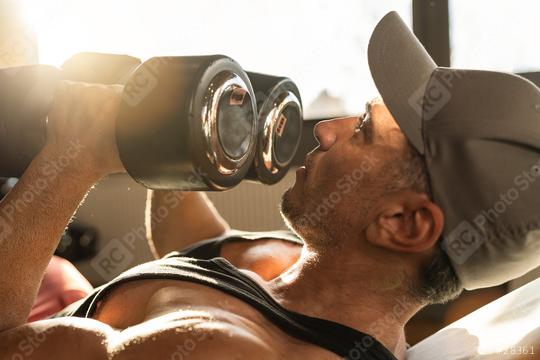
(401, 69)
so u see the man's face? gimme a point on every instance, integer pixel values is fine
(350, 171)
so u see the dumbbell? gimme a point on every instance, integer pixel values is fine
(280, 127)
(185, 123)
(231, 144)
(278, 103)
(188, 123)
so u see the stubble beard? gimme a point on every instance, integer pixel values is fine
(316, 234)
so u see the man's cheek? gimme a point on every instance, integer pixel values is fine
(322, 186)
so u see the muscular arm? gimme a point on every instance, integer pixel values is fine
(80, 150)
(177, 219)
(34, 215)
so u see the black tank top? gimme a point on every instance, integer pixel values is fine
(201, 263)
(211, 248)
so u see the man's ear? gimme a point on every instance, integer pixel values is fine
(406, 221)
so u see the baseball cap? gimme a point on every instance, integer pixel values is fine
(479, 134)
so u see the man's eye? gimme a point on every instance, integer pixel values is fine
(362, 121)
(358, 126)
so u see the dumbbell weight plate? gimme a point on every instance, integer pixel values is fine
(187, 123)
(280, 127)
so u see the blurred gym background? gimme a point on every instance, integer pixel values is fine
(321, 45)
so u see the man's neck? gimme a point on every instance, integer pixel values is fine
(335, 287)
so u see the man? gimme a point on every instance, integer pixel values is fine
(371, 206)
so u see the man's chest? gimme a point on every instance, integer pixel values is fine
(191, 334)
(178, 319)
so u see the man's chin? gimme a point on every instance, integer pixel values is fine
(298, 219)
(285, 206)
(289, 207)
(292, 212)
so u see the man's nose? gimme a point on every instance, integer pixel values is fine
(328, 132)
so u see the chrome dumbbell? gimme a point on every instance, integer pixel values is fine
(188, 123)
(280, 127)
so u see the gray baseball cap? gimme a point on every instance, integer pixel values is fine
(479, 134)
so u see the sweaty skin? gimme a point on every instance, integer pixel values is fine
(163, 319)
(166, 319)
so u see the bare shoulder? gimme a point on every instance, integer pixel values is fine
(267, 257)
(61, 338)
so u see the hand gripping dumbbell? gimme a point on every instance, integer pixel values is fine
(185, 123)
(280, 127)
(26, 95)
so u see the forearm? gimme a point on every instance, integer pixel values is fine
(177, 219)
(34, 215)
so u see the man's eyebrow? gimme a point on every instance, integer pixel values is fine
(368, 109)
